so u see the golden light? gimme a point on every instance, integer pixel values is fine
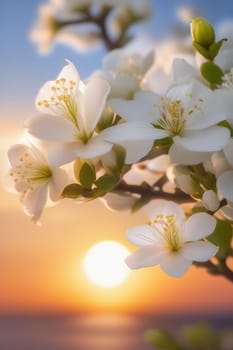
(104, 264)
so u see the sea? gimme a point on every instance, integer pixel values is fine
(92, 331)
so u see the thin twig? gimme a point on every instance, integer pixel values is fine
(153, 192)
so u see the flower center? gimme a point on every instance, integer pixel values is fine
(173, 115)
(62, 99)
(29, 173)
(227, 80)
(129, 67)
(166, 226)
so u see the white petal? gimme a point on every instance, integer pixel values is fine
(181, 155)
(157, 207)
(59, 154)
(210, 200)
(136, 150)
(210, 111)
(132, 131)
(95, 147)
(198, 251)
(144, 257)
(175, 264)
(123, 85)
(141, 108)
(69, 72)
(92, 102)
(35, 201)
(207, 140)
(225, 185)
(112, 59)
(198, 226)
(228, 151)
(182, 69)
(51, 128)
(62, 153)
(59, 181)
(15, 152)
(141, 235)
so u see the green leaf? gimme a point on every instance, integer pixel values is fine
(73, 191)
(215, 47)
(106, 183)
(139, 203)
(222, 237)
(202, 50)
(211, 72)
(162, 340)
(87, 175)
(196, 210)
(201, 336)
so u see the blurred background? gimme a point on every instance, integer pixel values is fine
(46, 299)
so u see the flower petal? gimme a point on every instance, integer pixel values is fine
(181, 155)
(225, 185)
(95, 147)
(141, 235)
(59, 181)
(92, 102)
(69, 72)
(158, 207)
(141, 108)
(62, 153)
(132, 131)
(46, 92)
(228, 151)
(51, 128)
(15, 152)
(198, 226)
(175, 264)
(207, 140)
(198, 251)
(183, 70)
(144, 257)
(34, 202)
(136, 150)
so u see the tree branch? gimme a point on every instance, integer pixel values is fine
(153, 192)
(219, 269)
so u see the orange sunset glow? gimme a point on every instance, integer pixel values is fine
(43, 266)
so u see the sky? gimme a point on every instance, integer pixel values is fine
(42, 267)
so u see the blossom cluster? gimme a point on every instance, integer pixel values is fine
(135, 131)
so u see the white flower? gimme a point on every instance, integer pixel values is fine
(125, 71)
(210, 200)
(34, 179)
(73, 110)
(188, 114)
(170, 240)
(225, 180)
(45, 28)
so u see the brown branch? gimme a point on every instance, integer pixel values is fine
(219, 269)
(149, 192)
(100, 22)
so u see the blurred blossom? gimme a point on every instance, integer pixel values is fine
(45, 29)
(125, 71)
(186, 13)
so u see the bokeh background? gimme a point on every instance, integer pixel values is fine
(46, 301)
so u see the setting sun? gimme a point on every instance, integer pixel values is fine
(104, 264)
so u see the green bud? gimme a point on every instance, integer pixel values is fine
(212, 72)
(202, 32)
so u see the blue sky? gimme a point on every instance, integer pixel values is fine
(23, 71)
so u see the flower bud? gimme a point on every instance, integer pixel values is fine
(202, 32)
